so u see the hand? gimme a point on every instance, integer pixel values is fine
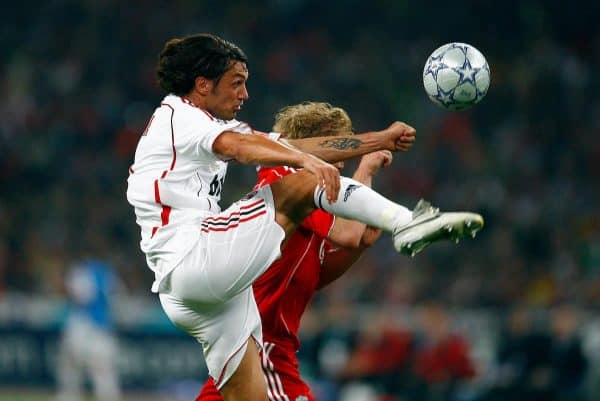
(369, 237)
(328, 176)
(372, 162)
(401, 136)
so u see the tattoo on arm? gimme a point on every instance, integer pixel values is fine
(341, 143)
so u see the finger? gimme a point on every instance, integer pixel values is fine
(321, 182)
(326, 184)
(409, 130)
(384, 153)
(336, 185)
(387, 160)
(331, 190)
(402, 145)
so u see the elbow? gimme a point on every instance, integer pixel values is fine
(234, 146)
(226, 145)
(239, 150)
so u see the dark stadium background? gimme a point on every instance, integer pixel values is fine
(522, 299)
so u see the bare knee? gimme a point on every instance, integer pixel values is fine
(293, 196)
(247, 383)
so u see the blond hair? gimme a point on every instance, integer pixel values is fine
(311, 119)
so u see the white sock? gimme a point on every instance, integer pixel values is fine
(359, 202)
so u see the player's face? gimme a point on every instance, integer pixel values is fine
(227, 97)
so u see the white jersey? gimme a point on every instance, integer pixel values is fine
(176, 179)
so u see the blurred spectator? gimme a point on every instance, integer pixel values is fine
(524, 360)
(441, 358)
(381, 354)
(569, 364)
(88, 347)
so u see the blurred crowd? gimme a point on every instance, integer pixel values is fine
(433, 353)
(77, 82)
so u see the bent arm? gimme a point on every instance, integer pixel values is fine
(338, 262)
(397, 137)
(353, 236)
(337, 148)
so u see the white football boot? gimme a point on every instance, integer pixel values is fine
(429, 225)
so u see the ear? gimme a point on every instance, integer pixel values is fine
(203, 85)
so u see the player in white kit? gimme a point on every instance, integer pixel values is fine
(205, 259)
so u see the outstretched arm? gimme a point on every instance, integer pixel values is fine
(397, 137)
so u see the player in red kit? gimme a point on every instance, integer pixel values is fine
(322, 248)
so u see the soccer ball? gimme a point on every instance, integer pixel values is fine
(456, 76)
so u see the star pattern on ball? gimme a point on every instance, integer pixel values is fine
(460, 68)
(466, 72)
(435, 64)
(444, 97)
(462, 48)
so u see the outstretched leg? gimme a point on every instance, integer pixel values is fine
(296, 195)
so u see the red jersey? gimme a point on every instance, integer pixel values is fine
(282, 293)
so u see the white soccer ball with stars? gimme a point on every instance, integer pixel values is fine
(456, 76)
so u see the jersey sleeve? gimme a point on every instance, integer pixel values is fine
(267, 175)
(199, 132)
(274, 136)
(319, 222)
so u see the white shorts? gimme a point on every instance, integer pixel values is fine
(209, 293)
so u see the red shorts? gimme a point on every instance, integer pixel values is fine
(280, 367)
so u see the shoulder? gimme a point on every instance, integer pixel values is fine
(181, 110)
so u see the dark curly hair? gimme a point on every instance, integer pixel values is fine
(182, 60)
